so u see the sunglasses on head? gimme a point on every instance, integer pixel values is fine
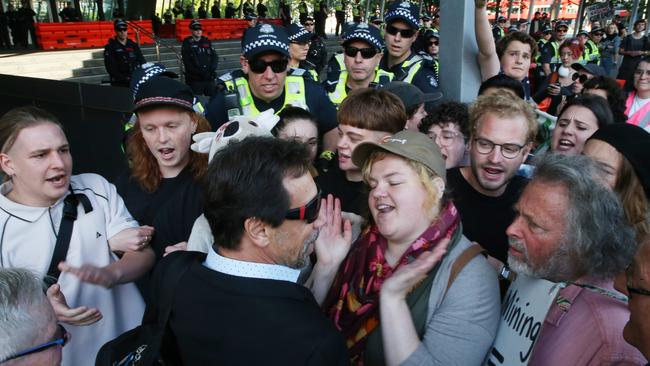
(366, 53)
(259, 66)
(406, 33)
(582, 78)
(308, 212)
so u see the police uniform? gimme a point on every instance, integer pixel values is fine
(337, 87)
(200, 61)
(121, 59)
(317, 54)
(234, 96)
(418, 70)
(591, 54)
(299, 34)
(339, 13)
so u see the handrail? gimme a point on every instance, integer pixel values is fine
(158, 42)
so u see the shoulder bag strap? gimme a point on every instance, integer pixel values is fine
(62, 245)
(461, 262)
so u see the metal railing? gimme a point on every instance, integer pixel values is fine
(159, 42)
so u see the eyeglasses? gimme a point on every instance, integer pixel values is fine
(639, 72)
(434, 43)
(406, 33)
(366, 53)
(582, 78)
(563, 31)
(445, 138)
(259, 66)
(62, 337)
(309, 24)
(303, 44)
(508, 151)
(308, 212)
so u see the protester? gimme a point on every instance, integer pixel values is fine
(579, 119)
(296, 124)
(633, 47)
(609, 89)
(571, 228)
(609, 50)
(200, 61)
(552, 91)
(446, 320)
(29, 332)
(637, 107)
(622, 151)
(121, 55)
(92, 291)
(365, 115)
(262, 84)
(448, 126)
(502, 129)
(501, 83)
(164, 174)
(584, 73)
(264, 230)
(414, 101)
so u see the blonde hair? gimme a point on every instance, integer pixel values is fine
(502, 106)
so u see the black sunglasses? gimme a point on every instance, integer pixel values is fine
(308, 212)
(61, 339)
(366, 53)
(122, 30)
(580, 77)
(406, 33)
(434, 43)
(308, 24)
(259, 66)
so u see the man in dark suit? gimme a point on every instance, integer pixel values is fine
(242, 305)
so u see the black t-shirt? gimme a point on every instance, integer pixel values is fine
(485, 219)
(144, 206)
(353, 195)
(318, 102)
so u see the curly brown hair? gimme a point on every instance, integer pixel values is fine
(144, 167)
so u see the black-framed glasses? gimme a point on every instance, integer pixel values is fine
(582, 78)
(62, 337)
(366, 53)
(308, 212)
(406, 33)
(508, 151)
(259, 66)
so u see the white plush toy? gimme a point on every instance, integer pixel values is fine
(238, 128)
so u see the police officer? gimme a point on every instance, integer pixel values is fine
(499, 31)
(317, 54)
(121, 55)
(400, 34)
(591, 54)
(299, 43)
(200, 61)
(362, 51)
(339, 13)
(550, 54)
(262, 83)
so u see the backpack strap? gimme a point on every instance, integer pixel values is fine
(461, 262)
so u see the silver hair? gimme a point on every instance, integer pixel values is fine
(598, 242)
(24, 310)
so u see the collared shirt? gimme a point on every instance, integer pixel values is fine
(234, 267)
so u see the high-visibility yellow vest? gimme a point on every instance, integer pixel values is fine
(294, 94)
(339, 94)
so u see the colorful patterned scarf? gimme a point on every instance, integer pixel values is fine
(353, 300)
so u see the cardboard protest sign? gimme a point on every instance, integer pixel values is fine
(600, 11)
(522, 315)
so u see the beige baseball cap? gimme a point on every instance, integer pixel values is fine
(411, 145)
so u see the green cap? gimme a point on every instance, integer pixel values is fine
(411, 145)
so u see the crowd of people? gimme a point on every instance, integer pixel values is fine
(340, 211)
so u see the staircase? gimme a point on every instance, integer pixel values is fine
(87, 65)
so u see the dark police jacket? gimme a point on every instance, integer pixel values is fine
(121, 59)
(199, 58)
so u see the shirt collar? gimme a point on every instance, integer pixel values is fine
(20, 211)
(235, 267)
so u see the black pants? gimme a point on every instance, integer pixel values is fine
(202, 87)
(340, 20)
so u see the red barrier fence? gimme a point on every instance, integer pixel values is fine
(216, 29)
(57, 36)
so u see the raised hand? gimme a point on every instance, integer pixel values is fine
(131, 239)
(102, 276)
(80, 316)
(408, 276)
(335, 235)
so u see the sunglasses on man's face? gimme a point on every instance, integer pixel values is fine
(308, 212)
(366, 53)
(406, 33)
(259, 66)
(122, 30)
(434, 43)
(582, 78)
(308, 24)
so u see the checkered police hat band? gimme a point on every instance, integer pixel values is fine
(365, 36)
(298, 35)
(404, 14)
(266, 43)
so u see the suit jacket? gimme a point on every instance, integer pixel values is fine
(220, 319)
